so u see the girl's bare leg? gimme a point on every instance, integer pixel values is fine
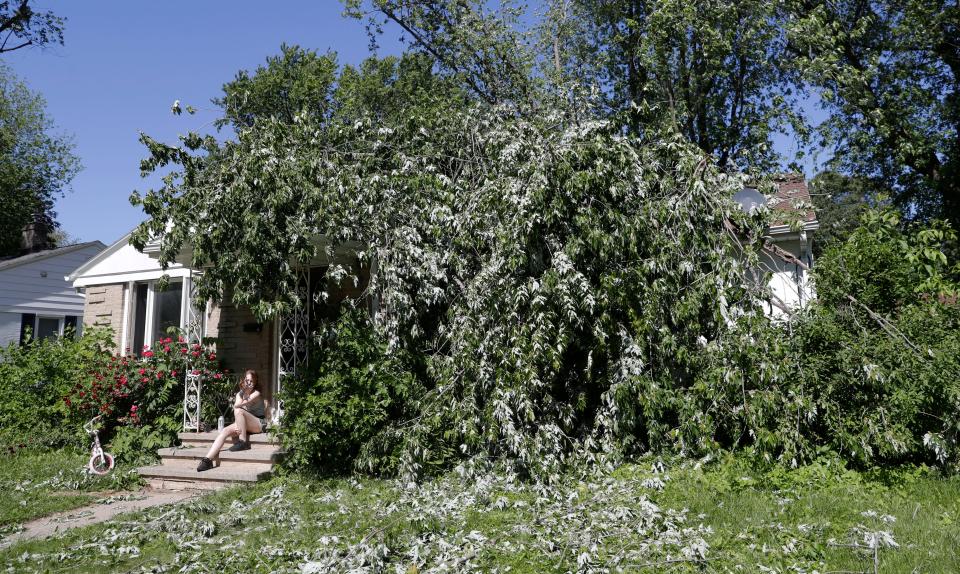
(241, 422)
(246, 423)
(227, 432)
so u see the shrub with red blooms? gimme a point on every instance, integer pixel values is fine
(141, 398)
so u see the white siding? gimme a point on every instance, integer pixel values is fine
(39, 286)
(9, 328)
(789, 283)
(121, 262)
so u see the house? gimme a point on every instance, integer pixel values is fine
(122, 290)
(792, 230)
(34, 298)
(121, 286)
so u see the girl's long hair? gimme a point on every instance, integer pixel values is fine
(256, 381)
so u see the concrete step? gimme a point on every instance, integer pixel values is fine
(258, 453)
(185, 471)
(206, 438)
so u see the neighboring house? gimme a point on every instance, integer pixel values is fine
(34, 296)
(122, 292)
(792, 230)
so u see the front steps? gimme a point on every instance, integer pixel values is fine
(178, 467)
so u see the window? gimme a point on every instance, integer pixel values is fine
(35, 327)
(153, 312)
(167, 308)
(48, 327)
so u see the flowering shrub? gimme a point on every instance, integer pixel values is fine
(140, 399)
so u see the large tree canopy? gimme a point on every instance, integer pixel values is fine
(504, 245)
(566, 265)
(715, 72)
(889, 74)
(35, 163)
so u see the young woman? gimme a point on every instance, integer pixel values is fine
(249, 412)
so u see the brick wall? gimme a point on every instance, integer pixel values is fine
(240, 349)
(104, 307)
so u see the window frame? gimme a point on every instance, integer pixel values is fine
(152, 311)
(36, 325)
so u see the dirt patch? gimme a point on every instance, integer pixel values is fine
(105, 506)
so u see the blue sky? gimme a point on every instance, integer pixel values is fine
(125, 62)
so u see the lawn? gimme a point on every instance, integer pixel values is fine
(647, 517)
(36, 484)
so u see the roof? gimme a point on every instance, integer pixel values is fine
(792, 202)
(40, 255)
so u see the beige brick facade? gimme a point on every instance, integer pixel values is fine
(240, 345)
(241, 342)
(104, 307)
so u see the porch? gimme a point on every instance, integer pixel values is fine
(275, 349)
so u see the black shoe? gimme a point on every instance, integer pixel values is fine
(240, 445)
(205, 464)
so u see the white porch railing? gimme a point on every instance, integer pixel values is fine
(193, 326)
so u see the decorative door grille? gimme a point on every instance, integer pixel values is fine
(293, 335)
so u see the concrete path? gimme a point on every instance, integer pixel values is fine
(105, 508)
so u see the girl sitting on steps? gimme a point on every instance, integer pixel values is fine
(249, 411)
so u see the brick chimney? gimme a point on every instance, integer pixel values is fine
(36, 237)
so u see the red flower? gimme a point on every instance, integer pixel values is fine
(144, 379)
(142, 371)
(218, 376)
(166, 349)
(183, 350)
(67, 400)
(148, 354)
(173, 373)
(82, 394)
(180, 339)
(213, 356)
(159, 375)
(133, 409)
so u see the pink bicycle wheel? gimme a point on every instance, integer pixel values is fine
(101, 463)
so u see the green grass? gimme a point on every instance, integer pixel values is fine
(36, 484)
(721, 517)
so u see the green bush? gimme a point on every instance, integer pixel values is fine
(874, 379)
(339, 409)
(34, 380)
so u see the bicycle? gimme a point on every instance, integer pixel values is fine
(100, 462)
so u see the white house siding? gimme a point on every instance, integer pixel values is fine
(789, 283)
(121, 263)
(37, 285)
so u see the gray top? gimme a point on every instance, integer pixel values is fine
(256, 408)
